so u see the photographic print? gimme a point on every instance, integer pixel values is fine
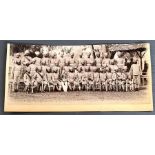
(106, 77)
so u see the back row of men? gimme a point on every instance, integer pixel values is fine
(73, 73)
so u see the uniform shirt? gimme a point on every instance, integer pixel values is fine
(90, 76)
(114, 76)
(71, 77)
(26, 60)
(16, 72)
(38, 76)
(27, 78)
(98, 62)
(32, 69)
(103, 76)
(96, 76)
(55, 77)
(54, 62)
(109, 75)
(81, 62)
(80, 75)
(89, 61)
(45, 61)
(61, 61)
(48, 77)
(37, 61)
(106, 61)
(135, 68)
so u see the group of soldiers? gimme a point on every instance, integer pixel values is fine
(50, 71)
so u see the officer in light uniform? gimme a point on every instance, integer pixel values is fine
(136, 73)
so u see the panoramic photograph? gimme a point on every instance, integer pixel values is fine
(106, 77)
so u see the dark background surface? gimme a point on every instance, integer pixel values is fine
(3, 49)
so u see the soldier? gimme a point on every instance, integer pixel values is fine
(109, 79)
(27, 80)
(114, 81)
(103, 78)
(54, 61)
(136, 72)
(37, 81)
(85, 78)
(46, 59)
(91, 79)
(37, 59)
(71, 78)
(44, 67)
(48, 79)
(80, 74)
(119, 79)
(124, 78)
(106, 60)
(120, 61)
(56, 79)
(89, 60)
(16, 72)
(64, 80)
(97, 84)
(26, 60)
(32, 67)
(72, 61)
(61, 62)
(76, 80)
(98, 59)
(81, 61)
(129, 82)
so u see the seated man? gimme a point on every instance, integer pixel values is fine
(109, 79)
(103, 78)
(97, 84)
(114, 81)
(37, 81)
(71, 78)
(27, 80)
(56, 79)
(85, 78)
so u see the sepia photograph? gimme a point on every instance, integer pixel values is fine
(104, 77)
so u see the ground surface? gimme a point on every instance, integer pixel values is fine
(79, 96)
